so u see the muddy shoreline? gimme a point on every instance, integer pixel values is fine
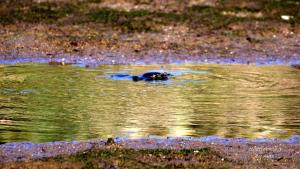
(161, 59)
(135, 48)
(147, 32)
(241, 151)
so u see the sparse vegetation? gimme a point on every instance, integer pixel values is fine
(180, 28)
(133, 158)
(139, 19)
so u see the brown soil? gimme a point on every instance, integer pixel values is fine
(152, 153)
(133, 31)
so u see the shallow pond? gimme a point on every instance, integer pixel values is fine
(40, 102)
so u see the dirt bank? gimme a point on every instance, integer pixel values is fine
(133, 31)
(152, 152)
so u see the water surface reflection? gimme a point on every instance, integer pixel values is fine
(45, 103)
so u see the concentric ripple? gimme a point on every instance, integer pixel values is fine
(40, 102)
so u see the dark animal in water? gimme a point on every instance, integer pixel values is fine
(152, 76)
(149, 76)
(297, 66)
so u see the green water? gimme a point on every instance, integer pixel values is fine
(40, 103)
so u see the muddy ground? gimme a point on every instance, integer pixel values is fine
(146, 31)
(209, 152)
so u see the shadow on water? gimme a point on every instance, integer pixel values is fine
(40, 102)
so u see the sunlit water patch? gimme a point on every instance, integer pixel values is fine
(40, 102)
